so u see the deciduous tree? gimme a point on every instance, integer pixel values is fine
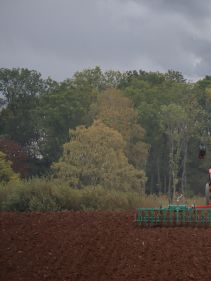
(117, 112)
(95, 156)
(6, 172)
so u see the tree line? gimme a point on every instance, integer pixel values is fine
(130, 131)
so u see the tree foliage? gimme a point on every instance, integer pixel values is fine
(6, 172)
(21, 89)
(16, 155)
(95, 156)
(151, 111)
(60, 111)
(117, 112)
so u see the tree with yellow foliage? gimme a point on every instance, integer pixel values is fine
(95, 156)
(6, 172)
(117, 112)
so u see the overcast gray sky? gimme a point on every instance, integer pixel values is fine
(59, 37)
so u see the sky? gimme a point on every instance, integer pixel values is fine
(60, 37)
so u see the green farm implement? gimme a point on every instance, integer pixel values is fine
(174, 215)
(177, 215)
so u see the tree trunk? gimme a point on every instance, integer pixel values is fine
(184, 177)
(165, 185)
(171, 179)
(158, 176)
(151, 183)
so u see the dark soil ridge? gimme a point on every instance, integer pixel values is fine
(99, 246)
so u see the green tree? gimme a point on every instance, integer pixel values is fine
(174, 126)
(89, 79)
(180, 124)
(21, 89)
(149, 92)
(95, 156)
(95, 79)
(60, 111)
(6, 172)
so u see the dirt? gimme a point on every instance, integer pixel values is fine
(99, 246)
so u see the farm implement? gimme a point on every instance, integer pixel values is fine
(174, 215)
(177, 215)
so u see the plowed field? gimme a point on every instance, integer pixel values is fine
(99, 246)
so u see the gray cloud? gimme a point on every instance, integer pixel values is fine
(58, 38)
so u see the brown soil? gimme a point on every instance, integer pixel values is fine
(99, 246)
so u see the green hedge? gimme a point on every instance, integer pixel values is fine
(51, 195)
(40, 194)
